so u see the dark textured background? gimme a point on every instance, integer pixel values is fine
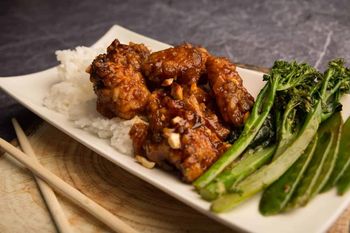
(253, 32)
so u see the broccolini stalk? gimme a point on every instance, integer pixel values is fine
(277, 195)
(287, 129)
(293, 105)
(343, 160)
(250, 162)
(321, 165)
(343, 184)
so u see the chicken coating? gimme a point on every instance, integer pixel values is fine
(196, 99)
(183, 133)
(233, 100)
(138, 135)
(184, 64)
(118, 82)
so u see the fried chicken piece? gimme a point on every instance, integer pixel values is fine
(207, 103)
(118, 82)
(183, 133)
(184, 64)
(233, 100)
(202, 148)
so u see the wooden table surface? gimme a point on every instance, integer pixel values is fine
(141, 205)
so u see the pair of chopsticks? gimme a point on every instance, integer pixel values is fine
(44, 178)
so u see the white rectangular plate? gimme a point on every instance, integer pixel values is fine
(30, 90)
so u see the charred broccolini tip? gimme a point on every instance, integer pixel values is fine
(292, 74)
(336, 82)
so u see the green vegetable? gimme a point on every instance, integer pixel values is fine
(343, 160)
(335, 83)
(250, 162)
(266, 134)
(270, 173)
(321, 165)
(286, 127)
(333, 125)
(343, 184)
(277, 195)
(307, 185)
(321, 99)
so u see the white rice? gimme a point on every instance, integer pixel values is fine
(73, 96)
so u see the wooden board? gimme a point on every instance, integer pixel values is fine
(138, 203)
(141, 205)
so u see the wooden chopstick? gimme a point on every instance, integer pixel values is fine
(49, 196)
(68, 191)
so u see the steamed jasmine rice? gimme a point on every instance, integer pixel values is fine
(74, 97)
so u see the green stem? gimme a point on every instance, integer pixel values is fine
(270, 173)
(260, 111)
(250, 163)
(286, 136)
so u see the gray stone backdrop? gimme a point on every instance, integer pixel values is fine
(252, 32)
